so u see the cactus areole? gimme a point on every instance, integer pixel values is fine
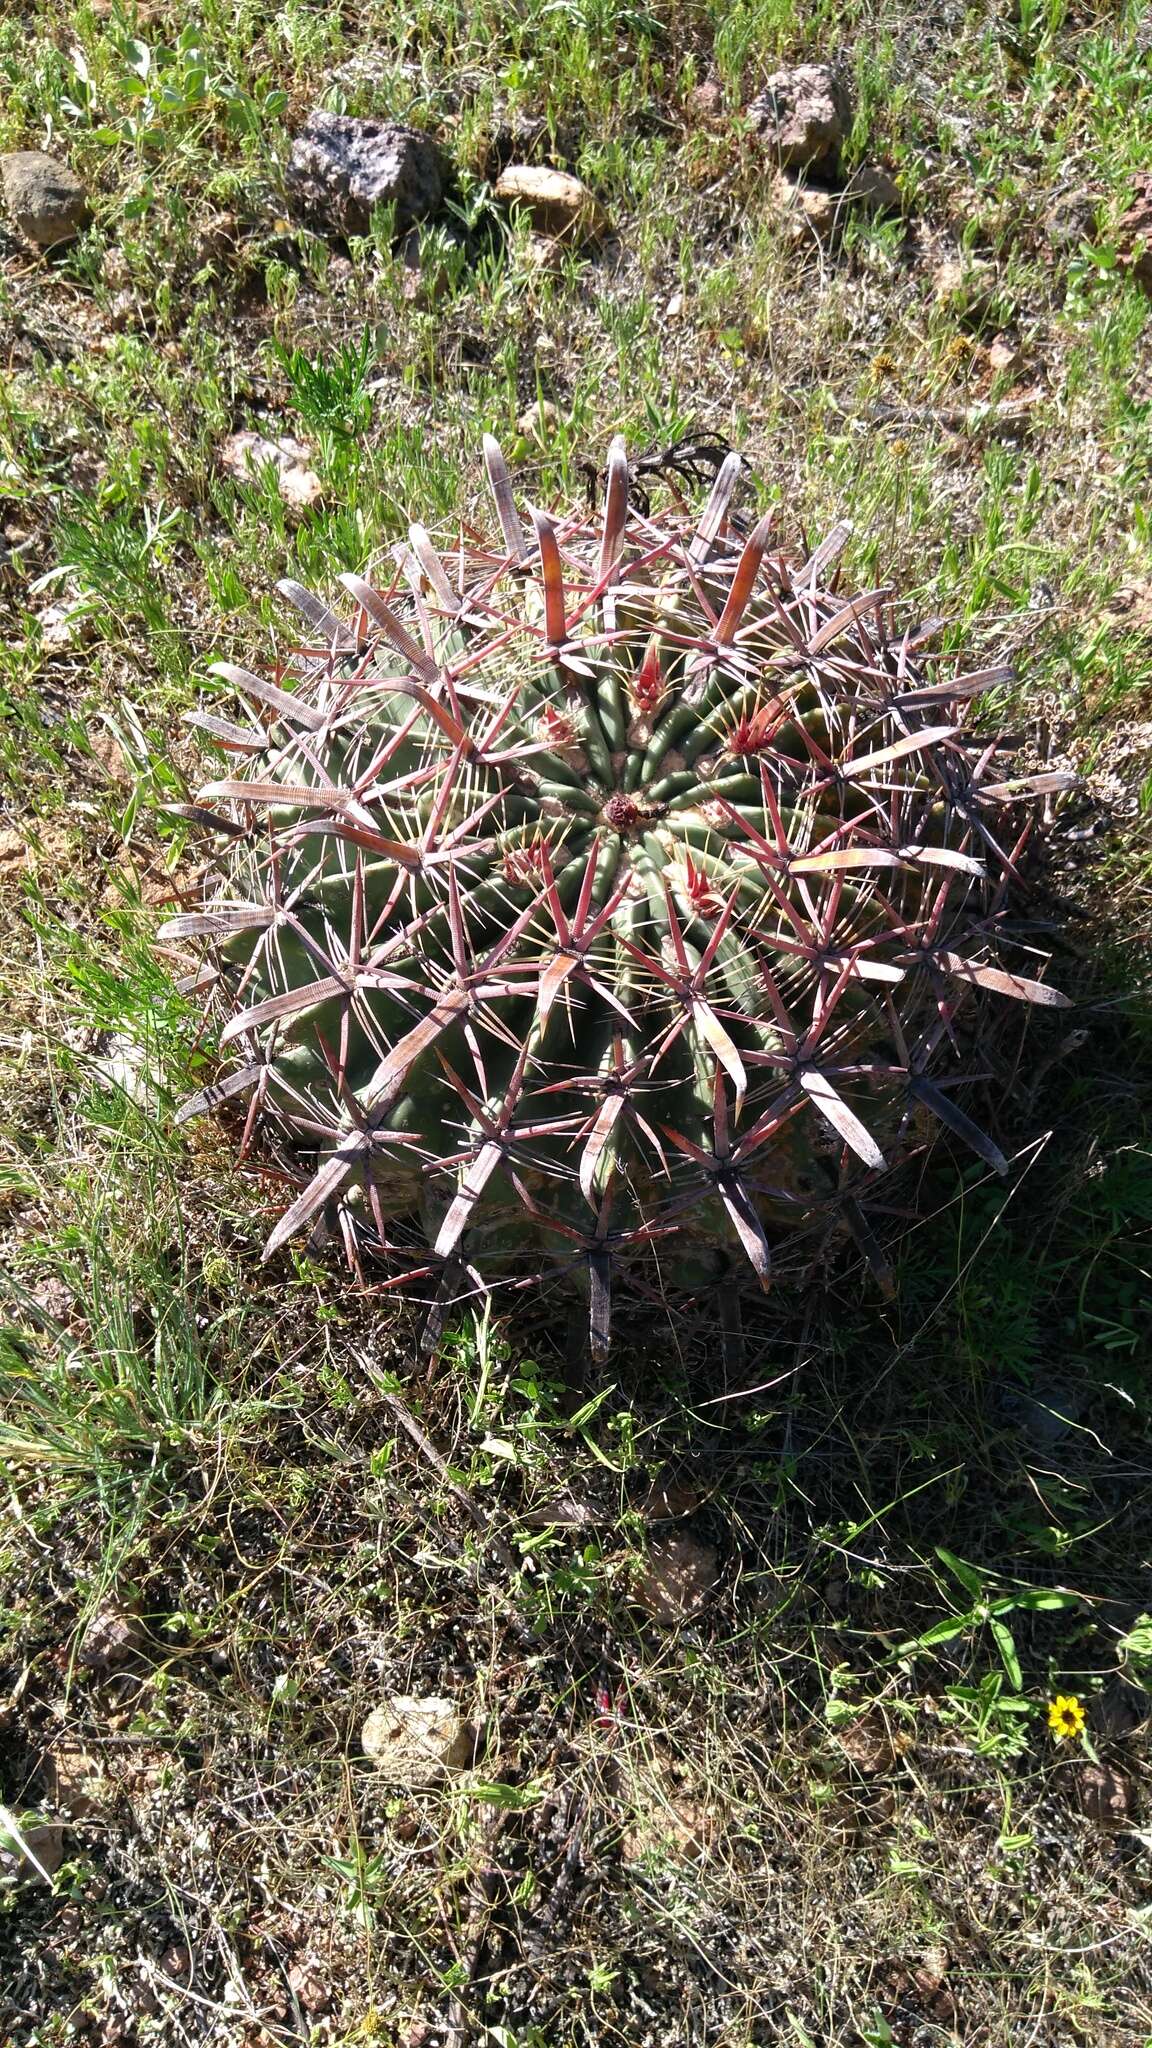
(601, 899)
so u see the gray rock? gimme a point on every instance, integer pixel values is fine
(870, 190)
(803, 115)
(1044, 1415)
(30, 1849)
(808, 210)
(340, 168)
(112, 1638)
(45, 199)
(73, 1780)
(705, 103)
(1070, 220)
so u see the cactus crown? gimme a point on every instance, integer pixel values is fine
(613, 891)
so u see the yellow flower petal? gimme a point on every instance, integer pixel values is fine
(1065, 1717)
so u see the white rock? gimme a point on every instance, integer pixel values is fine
(245, 454)
(540, 421)
(417, 1742)
(804, 211)
(1004, 358)
(964, 286)
(63, 626)
(542, 252)
(556, 203)
(125, 1067)
(300, 488)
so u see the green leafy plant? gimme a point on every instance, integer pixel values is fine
(368, 1884)
(151, 90)
(992, 1715)
(1134, 1651)
(617, 898)
(989, 1609)
(331, 395)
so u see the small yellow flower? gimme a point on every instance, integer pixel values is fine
(1065, 1717)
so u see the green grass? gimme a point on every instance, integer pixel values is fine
(928, 1516)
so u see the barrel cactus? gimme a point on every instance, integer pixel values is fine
(601, 899)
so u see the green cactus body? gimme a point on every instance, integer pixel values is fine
(608, 897)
